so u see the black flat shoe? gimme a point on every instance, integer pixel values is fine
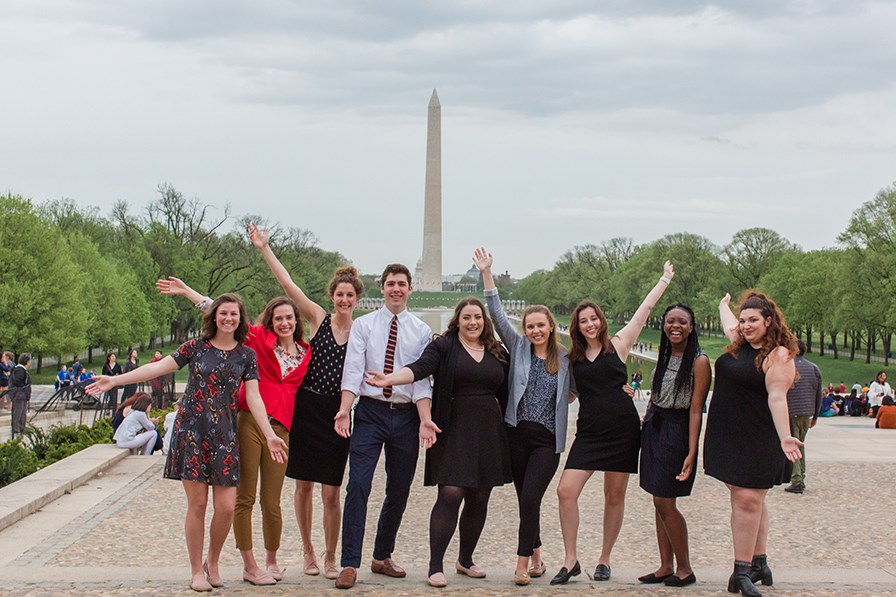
(602, 572)
(653, 579)
(674, 581)
(564, 575)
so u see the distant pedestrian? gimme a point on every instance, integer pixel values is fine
(111, 369)
(129, 365)
(20, 393)
(137, 430)
(7, 364)
(76, 368)
(876, 392)
(804, 405)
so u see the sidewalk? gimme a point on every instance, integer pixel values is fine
(121, 533)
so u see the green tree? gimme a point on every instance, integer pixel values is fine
(752, 252)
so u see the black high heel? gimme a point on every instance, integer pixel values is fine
(759, 570)
(739, 581)
(562, 577)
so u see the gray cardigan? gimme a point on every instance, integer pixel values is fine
(520, 349)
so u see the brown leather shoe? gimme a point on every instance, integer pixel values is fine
(347, 578)
(387, 567)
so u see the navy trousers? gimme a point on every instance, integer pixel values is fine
(375, 427)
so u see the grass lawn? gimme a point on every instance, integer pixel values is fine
(48, 375)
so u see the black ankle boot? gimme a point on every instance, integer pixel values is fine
(740, 582)
(759, 570)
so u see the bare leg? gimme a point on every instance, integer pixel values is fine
(303, 505)
(194, 529)
(222, 520)
(746, 518)
(676, 534)
(332, 519)
(569, 489)
(762, 536)
(667, 562)
(615, 485)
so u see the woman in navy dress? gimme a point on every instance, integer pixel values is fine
(669, 439)
(204, 448)
(608, 429)
(748, 444)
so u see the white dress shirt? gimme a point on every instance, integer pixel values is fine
(366, 351)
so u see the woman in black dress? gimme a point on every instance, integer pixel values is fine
(472, 455)
(204, 448)
(748, 444)
(669, 438)
(109, 369)
(317, 454)
(129, 365)
(608, 428)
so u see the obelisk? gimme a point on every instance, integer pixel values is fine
(432, 199)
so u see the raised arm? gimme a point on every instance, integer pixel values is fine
(177, 287)
(625, 338)
(727, 318)
(506, 330)
(310, 310)
(779, 374)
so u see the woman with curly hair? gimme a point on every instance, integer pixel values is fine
(669, 438)
(472, 455)
(748, 443)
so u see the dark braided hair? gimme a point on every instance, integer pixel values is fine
(684, 379)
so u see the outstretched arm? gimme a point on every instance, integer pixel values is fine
(310, 310)
(625, 338)
(506, 330)
(176, 286)
(104, 383)
(727, 318)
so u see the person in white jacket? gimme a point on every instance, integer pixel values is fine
(168, 425)
(138, 430)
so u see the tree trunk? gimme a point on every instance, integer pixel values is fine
(885, 340)
(40, 363)
(808, 338)
(90, 354)
(834, 344)
(821, 336)
(868, 344)
(852, 348)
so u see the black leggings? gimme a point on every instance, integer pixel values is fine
(443, 521)
(534, 461)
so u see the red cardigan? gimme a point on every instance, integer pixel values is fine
(277, 392)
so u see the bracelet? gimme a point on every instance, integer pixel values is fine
(665, 280)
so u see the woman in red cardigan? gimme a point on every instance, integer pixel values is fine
(283, 358)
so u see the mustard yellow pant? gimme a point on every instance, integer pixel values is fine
(254, 458)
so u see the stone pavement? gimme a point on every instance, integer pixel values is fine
(121, 534)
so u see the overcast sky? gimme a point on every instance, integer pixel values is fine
(563, 123)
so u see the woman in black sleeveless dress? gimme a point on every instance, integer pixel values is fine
(608, 428)
(317, 454)
(748, 444)
(669, 439)
(471, 455)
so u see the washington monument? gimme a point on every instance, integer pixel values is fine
(432, 208)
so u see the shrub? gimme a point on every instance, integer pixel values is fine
(38, 440)
(16, 461)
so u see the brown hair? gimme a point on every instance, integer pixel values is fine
(488, 339)
(552, 362)
(129, 401)
(579, 343)
(142, 401)
(346, 274)
(266, 317)
(777, 334)
(209, 326)
(395, 268)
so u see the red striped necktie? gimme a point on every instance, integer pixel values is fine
(390, 353)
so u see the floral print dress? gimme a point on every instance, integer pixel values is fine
(204, 444)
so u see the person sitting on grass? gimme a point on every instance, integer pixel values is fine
(138, 430)
(829, 406)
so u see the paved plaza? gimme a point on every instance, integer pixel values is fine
(121, 534)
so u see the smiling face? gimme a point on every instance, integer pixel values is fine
(283, 321)
(344, 298)
(470, 323)
(396, 290)
(537, 328)
(677, 326)
(753, 325)
(589, 323)
(227, 318)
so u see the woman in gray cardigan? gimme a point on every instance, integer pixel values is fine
(536, 415)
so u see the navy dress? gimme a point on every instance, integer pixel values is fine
(608, 431)
(204, 444)
(741, 446)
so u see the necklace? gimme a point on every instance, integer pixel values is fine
(473, 348)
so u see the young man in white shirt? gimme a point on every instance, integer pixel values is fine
(396, 418)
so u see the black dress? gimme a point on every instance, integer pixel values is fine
(316, 452)
(741, 445)
(473, 450)
(608, 431)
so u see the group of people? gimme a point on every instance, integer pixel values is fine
(262, 403)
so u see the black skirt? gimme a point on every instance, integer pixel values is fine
(664, 447)
(316, 452)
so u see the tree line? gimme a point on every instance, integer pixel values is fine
(72, 279)
(840, 299)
